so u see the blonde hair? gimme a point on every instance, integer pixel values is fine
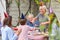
(44, 7)
(29, 16)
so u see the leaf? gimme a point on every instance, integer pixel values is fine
(37, 2)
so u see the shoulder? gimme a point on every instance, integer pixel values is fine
(46, 16)
(38, 15)
(8, 29)
(5, 29)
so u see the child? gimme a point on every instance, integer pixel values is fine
(25, 28)
(31, 22)
(7, 31)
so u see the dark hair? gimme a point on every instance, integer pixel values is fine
(22, 21)
(8, 21)
(5, 21)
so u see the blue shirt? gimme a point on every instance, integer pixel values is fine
(29, 23)
(33, 24)
(37, 22)
(8, 33)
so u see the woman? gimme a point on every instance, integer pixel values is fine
(7, 31)
(43, 18)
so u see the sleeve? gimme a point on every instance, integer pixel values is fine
(37, 16)
(47, 18)
(11, 35)
(4, 36)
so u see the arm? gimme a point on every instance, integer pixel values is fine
(34, 19)
(47, 22)
(44, 23)
(32, 28)
(11, 35)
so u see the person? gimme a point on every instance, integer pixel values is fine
(31, 22)
(25, 28)
(54, 27)
(0, 25)
(43, 18)
(7, 30)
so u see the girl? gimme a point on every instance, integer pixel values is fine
(25, 28)
(7, 31)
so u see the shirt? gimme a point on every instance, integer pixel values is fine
(8, 33)
(42, 18)
(24, 33)
(29, 23)
(36, 23)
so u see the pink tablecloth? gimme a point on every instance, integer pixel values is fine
(36, 37)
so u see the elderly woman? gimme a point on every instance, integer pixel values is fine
(43, 19)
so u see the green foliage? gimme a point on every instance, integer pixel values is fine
(17, 2)
(37, 1)
(45, 0)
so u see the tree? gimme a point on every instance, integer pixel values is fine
(8, 3)
(18, 5)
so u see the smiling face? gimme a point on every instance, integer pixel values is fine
(30, 18)
(42, 10)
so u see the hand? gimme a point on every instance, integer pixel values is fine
(42, 23)
(18, 31)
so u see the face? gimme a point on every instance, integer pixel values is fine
(30, 18)
(42, 11)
